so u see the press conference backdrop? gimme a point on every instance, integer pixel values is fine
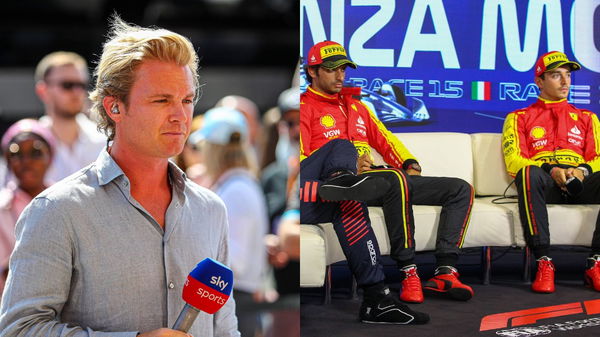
(461, 66)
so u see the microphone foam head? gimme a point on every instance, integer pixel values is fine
(208, 286)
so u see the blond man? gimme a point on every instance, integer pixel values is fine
(106, 252)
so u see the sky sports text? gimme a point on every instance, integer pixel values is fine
(203, 293)
(218, 282)
(497, 17)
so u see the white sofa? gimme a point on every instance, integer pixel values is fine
(476, 158)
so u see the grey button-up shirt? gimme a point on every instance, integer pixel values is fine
(90, 261)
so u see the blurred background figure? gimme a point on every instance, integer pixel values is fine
(250, 111)
(28, 148)
(269, 137)
(279, 182)
(190, 161)
(276, 175)
(189, 156)
(226, 153)
(61, 84)
(289, 127)
(283, 249)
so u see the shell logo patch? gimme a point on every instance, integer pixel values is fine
(574, 116)
(328, 121)
(538, 132)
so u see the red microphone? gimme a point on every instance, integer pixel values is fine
(207, 288)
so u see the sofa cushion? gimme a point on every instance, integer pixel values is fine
(569, 224)
(489, 169)
(443, 154)
(312, 256)
(490, 225)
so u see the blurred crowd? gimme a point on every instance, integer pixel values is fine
(247, 157)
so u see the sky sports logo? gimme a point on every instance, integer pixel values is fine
(208, 297)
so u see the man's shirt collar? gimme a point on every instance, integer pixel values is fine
(108, 170)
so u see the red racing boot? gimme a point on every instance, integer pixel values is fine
(446, 282)
(592, 273)
(544, 278)
(411, 285)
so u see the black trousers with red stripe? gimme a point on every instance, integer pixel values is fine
(536, 189)
(453, 194)
(350, 218)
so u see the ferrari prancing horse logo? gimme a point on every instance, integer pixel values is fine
(574, 116)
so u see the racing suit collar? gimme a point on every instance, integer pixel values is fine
(321, 94)
(549, 102)
(350, 91)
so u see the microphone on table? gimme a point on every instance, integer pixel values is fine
(207, 288)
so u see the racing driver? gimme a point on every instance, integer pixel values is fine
(330, 111)
(553, 149)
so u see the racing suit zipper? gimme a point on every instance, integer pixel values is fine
(341, 106)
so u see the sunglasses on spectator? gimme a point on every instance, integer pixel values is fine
(70, 85)
(16, 153)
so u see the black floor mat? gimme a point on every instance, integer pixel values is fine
(573, 310)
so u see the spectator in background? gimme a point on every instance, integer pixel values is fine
(276, 175)
(189, 160)
(289, 127)
(28, 149)
(284, 255)
(250, 111)
(283, 245)
(61, 84)
(226, 154)
(269, 137)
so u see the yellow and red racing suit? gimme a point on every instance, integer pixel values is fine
(325, 117)
(551, 132)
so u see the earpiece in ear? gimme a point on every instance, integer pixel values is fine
(115, 109)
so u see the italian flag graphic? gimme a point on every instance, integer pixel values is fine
(481, 91)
